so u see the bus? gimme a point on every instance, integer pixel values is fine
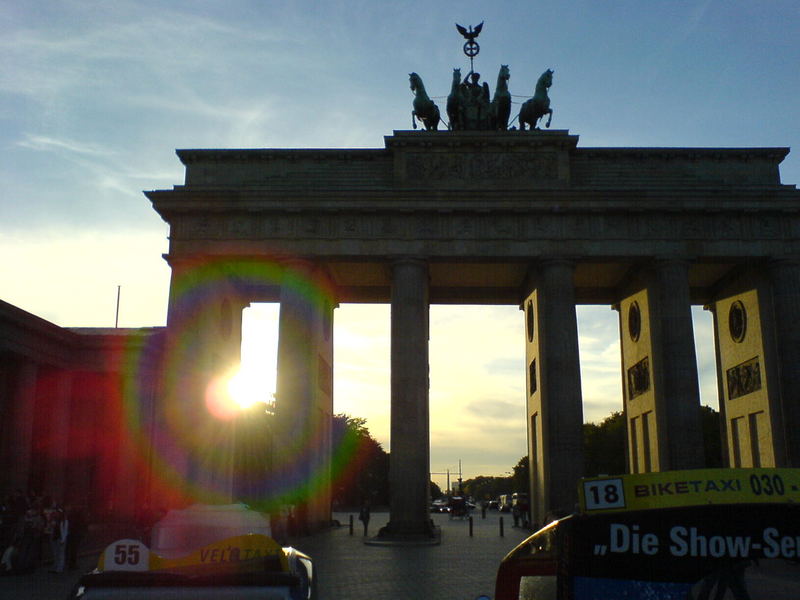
(710, 534)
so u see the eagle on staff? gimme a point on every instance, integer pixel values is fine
(471, 47)
(472, 33)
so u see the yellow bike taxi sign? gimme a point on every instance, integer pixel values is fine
(133, 555)
(688, 488)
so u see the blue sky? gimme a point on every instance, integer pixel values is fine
(95, 97)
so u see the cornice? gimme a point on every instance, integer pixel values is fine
(193, 156)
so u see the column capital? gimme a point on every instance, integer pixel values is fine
(789, 260)
(660, 260)
(409, 260)
(536, 268)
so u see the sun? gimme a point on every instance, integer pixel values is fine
(245, 389)
(252, 381)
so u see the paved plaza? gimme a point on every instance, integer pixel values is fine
(461, 568)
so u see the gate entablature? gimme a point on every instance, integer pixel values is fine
(480, 206)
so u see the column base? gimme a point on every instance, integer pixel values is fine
(429, 535)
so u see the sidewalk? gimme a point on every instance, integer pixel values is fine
(461, 568)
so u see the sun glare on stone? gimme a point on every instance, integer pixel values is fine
(245, 390)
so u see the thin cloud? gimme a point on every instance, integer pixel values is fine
(49, 144)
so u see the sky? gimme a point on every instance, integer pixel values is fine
(95, 97)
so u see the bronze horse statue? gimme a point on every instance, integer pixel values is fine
(455, 103)
(537, 107)
(501, 102)
(424, 108)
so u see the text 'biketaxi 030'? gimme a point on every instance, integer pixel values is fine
(204, 551)
(731, 534)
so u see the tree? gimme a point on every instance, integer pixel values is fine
(360, 465)
(604, 446)
(484, 487)
(604, 443)
(712, 436)
(436, 491)
(520, 480)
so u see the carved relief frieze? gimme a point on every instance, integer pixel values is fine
(425, 226)
(727, 227)
(744, 378)
(764, 226)
(281, 226)
(240, 227)
(469, 225)
(388, 226)
(693, 228)
(540, 226)
(639, 378)
(465, 227)
(350, 227)
(470, 168)
(503, 228)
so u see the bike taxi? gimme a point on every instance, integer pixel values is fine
(721, 534)
(204, 551)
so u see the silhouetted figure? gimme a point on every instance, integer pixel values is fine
(77, 531)
(363, 516)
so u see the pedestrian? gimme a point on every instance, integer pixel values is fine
(58, 541)
(363, 516)
(78, 525)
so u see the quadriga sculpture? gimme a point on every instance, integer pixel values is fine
(501, 102)
(537, 107)
(455, 103)
(424, 108)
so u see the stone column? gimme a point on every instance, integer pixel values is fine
(203, 347)
(555, 408)
(22, 409)
(304, 395)
(409, 470)
(676, 380)
(785, 279)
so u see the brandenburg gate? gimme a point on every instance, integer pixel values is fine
(528, 218)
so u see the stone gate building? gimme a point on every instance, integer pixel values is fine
(522, 218)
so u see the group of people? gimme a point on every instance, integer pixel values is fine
(35, 528)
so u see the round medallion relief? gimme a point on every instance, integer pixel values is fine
(634, 321)
(737, 321)
(529, 320)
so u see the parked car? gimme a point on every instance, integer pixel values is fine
(493, 505)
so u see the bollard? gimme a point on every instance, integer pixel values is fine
(470, 526)
(351, 524)
(501, 526)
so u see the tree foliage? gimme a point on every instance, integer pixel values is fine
(485, 487)
(604, 443)
(604, 446)
(360, 464)
(520, 480)
(712, 436)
